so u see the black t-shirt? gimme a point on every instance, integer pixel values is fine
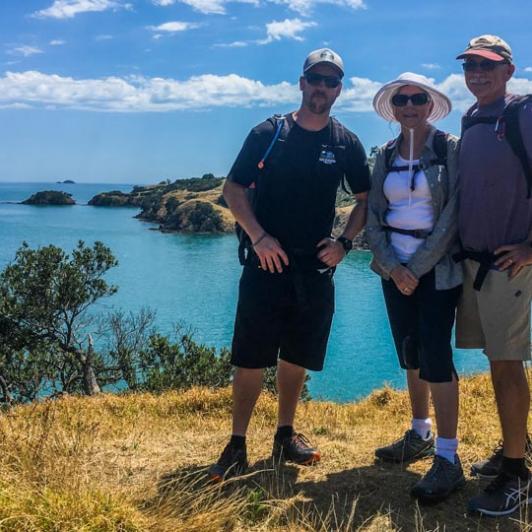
(295, 192)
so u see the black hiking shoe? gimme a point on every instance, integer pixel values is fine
(295, 448)
(232, 462)
(491, 467)
(502, 496)
(409, 448)
(440, 481)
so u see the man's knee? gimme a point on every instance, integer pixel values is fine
(506, 371)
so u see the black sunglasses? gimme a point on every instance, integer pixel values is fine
(331, 82)
(420, 98)
(485, 65)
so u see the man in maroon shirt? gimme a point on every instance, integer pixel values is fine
(495, 225)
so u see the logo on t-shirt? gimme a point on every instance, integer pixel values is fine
(327, 157)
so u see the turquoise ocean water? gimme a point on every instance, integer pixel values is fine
(192, 279)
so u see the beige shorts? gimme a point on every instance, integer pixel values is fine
(496, 318)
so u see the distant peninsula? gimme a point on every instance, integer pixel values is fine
(50, 197)
(196, 205)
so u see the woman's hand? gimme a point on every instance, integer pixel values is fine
(404, 279)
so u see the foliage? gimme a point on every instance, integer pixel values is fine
(183, 364)
(44, 298)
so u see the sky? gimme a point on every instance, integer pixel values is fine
(136, 91)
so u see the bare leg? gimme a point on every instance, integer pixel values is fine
(419, 394)
(513, 403)
(247, 385)
(445, 399)
(290, 380)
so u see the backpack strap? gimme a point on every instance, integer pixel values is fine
(439, 145)
(279, 122)
(338, 140)
(512, 132)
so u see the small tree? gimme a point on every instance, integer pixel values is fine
(44, 300)
(183, 363)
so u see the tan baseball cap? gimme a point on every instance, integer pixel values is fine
(489, 46)
(323, 55)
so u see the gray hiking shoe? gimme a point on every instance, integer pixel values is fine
(409, 448)
(502, 496)
(491, 467)
(440, 481)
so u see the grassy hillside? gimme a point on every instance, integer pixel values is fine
(137, 462)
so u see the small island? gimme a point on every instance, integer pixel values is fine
(66, 182)
(50, 197)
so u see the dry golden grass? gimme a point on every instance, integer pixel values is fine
(137, 462)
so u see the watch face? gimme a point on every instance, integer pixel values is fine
(346, 243)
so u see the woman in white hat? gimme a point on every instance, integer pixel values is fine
(411, 230)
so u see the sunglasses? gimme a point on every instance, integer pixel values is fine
(485, 65)
(331, 82)
(420, 98)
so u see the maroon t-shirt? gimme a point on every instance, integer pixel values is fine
(494, 209)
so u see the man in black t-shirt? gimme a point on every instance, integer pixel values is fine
(294, 165)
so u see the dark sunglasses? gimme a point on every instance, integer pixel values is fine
(331, 82)
(485, 65)
(420, 98)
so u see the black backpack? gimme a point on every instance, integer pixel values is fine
(281, 130)
(439, 144)
(507, 127)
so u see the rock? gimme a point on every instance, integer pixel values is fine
(50, 197)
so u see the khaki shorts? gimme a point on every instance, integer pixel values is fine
(496, 318)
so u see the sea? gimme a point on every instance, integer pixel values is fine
(191, 281)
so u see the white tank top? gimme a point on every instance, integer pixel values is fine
(408, 209)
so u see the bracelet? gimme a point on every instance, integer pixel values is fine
(259, 239)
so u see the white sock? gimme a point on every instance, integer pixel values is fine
(423, 427)
(446, 448)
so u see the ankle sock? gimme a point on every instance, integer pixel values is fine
(446, 448)
(238, 442)
(515, 467)
(423, 427)
(286, 431)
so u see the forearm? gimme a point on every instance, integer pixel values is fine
(357, 218)
(239, 205)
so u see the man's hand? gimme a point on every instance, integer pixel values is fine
(515, 258)
(271, 254)
(331, 252)
(404, 279)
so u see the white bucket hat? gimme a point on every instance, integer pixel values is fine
(382, 100)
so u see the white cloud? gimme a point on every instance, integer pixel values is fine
(234, 44)
(431, 66)
(25, 51)
(103, 37)
(304, 7)
(285, 29)
(527, 69)
(62, 9)
(173, 27)
(140, 94)
(57, 42)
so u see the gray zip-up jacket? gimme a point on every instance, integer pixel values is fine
(438, 248)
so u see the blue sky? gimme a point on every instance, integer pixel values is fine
(135, 91)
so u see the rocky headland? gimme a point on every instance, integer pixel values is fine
(196, 205)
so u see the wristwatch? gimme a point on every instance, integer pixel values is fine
(346, 243)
